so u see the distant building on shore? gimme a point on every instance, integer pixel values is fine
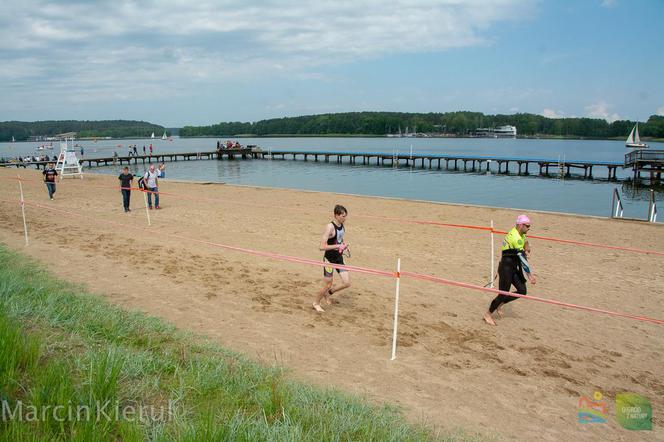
(498, 132)
(58, 137)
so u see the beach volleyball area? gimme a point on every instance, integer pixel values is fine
(206, 263)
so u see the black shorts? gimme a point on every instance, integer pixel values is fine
(329, 271)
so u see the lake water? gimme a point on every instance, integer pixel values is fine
(573, 195)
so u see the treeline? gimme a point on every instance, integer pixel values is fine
(21, 130)
(456, 123)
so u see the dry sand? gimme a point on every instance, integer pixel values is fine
(522, 379)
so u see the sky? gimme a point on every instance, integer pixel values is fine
(178, 63)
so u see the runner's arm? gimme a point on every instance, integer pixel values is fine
(327, 235)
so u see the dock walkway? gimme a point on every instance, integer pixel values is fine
(647, 161)
(431, 161)
(470, 163)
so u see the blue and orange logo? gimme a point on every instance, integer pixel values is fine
(592, 411)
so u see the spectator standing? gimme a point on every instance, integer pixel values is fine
(125, 186)
(152, 184)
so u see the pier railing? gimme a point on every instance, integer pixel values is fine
(643, 156)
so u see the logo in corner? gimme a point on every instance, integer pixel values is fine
(592, 411)
(633, 411)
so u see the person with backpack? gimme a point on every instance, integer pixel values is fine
(150, 180)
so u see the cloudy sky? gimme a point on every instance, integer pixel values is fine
(199, 62)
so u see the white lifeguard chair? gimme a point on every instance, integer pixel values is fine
(68, 164)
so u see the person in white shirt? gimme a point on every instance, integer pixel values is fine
(152, 184)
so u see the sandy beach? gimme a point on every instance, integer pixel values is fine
(522, 379)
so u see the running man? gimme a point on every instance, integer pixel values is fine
(332, 242)
(514, 262)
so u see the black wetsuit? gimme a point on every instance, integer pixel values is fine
(510, 272)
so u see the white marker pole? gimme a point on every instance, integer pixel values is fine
(396, 312)
(147, 211)
(492, 257)
(25, 224)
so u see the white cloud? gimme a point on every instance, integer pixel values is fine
(112, 49)
(660, 111)
(601, 110)
(609, 3)
(550, 113)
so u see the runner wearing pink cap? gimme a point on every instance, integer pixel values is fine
(522, 219)
(515, 252)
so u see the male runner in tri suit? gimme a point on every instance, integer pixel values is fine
(333, 244)
(513, 263)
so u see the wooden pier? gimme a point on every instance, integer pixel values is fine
(521, 166)
(452, 162)
(229, 154)
(646, 161)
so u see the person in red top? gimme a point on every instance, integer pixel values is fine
(49, 178)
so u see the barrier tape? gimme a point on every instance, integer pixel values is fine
(590, 244)
(402, 220)
(366, 270)
(444, 281)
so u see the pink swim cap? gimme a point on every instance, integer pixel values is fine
(522, 219)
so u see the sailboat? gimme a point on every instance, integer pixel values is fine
(152, 135)
(633, 141)
(13, 140)
(163, 137)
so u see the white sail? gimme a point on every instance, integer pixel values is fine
(163, 137)
(152, 135)
(637, 140)
(630, 139)
(13, 140)
(634, 141)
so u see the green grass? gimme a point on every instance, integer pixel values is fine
(62, 349)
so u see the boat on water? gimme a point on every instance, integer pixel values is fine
(163, 137)
(152, 135)
(497, 132)
(13, 140)
(633, 140)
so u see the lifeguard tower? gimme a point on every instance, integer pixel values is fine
(68, 164)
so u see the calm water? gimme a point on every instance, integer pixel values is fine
(592, 197)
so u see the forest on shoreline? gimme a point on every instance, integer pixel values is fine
(23, 130)
(453, 124)
(436, 124)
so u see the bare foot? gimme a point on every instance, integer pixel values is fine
(318, 308)
(488, 319)
(327, 299)
(499, 310)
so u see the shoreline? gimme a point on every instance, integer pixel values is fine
(390, 198)
(242, 136)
